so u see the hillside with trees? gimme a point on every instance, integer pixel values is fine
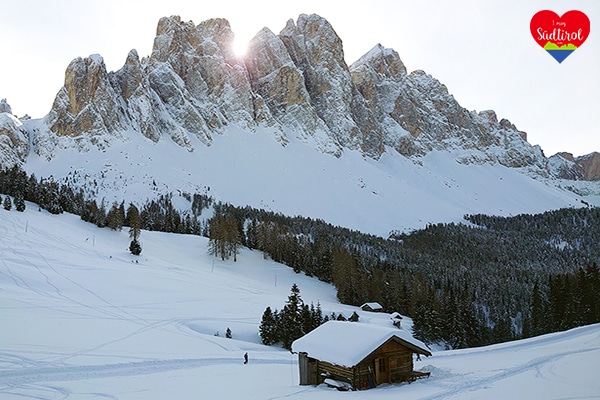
(488, 280)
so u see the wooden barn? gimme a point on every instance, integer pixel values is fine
(354, 355)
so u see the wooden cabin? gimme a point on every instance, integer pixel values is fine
(357, 355)
(372, 307)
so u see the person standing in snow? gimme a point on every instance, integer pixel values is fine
(246, 358)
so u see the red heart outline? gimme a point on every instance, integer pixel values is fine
(573, 27)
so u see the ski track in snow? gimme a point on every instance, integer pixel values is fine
(57, 373)
(57, 292)
(469, 385)
(111, 310)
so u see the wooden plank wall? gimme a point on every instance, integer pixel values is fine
(400, 361)
(337, 372)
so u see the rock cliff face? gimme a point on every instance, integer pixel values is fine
(275, 78)
(14, 139)
(87, 103)
(316, 50)
(591, 166)
(296, 84)
(565, 166)
(420, 105)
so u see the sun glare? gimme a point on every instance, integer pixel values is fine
(240, 47)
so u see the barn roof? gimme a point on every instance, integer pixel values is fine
(348, 343)
(372, 306)
(395, 315)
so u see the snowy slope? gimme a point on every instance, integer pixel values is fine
(83, 319)
(392, 193)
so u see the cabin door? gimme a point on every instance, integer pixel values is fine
(382, 370)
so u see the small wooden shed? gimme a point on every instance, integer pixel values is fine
(373, 307)
(358, 355)
(396, 319)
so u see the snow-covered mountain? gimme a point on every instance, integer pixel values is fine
(84, 319)
(289, 127)
(296, 84)
(587, 167)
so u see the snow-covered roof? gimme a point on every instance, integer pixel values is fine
(348, 343)
(373, 306)
(395, 315)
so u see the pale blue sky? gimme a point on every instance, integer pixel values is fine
(481, 50)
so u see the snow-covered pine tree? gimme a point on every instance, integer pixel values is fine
(135, 222)
(19, 202)
(291, 318)
(268, 327)
(135, 247)
(7, 203)
(316, 315)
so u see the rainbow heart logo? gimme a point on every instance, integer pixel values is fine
(560, 36)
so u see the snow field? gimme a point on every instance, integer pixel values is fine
(393, 193)
(83, 319)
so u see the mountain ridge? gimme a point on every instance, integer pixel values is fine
(294, 88)
(193, 84)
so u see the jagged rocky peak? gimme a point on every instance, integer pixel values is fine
(425, 108)
(376, 78)
(564, 165)
(276, 78)
(566, 155)
(489, 115)
(131, 76)
(202, 56)
(382, 61)
(506, 124)
(14, 139)
(590, 164)
(317, 50)
(490, 119)
(5, 107)
(219, 30)
(184, 45)
(273, 74)
(180, 43)
(87, 103)
(313, 39)
(172, 36)
(421, 106)
(374, 68)
(83, 79)
(143, 109)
